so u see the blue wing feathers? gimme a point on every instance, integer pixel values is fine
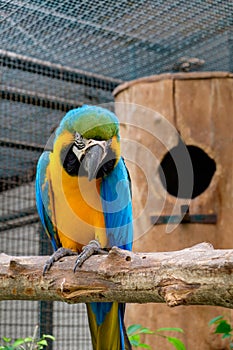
(42, 199)
(117, 207)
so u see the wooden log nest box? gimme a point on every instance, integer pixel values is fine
(199, 109)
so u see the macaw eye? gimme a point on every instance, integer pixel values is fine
(78, 141)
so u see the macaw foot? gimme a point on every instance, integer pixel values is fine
(57, 255)
(93, 247)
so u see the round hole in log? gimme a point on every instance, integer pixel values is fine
(179, 183)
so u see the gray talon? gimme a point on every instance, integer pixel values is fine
(93, 247)
(57, 255)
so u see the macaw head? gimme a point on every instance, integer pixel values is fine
(90, 141)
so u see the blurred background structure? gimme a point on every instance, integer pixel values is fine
(57, 55)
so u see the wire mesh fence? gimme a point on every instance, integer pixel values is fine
(55, 56)
(25, 130)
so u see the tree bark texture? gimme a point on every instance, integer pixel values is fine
(198, 275)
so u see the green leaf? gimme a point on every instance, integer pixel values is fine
(173, 329)
(28, 340)
(215, 320)
(18, 342)
(146, 331)
(223, 327)
(42, 342)
(133, 328)
(6, 340)
(134, 342)
(48, 336)
(178, 344)
(135, 337)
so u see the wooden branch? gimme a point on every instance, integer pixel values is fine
(198, 275)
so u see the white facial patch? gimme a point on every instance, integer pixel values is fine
(81, 146)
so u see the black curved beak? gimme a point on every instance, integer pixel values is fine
(93, 158)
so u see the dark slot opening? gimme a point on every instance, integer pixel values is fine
(179, 183)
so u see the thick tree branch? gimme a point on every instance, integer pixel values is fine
(197, 275)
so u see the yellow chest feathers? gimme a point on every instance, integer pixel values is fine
(76, 205)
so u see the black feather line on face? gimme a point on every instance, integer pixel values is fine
(70, 162)
(73, 167)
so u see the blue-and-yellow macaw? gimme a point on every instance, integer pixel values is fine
(83, 199)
